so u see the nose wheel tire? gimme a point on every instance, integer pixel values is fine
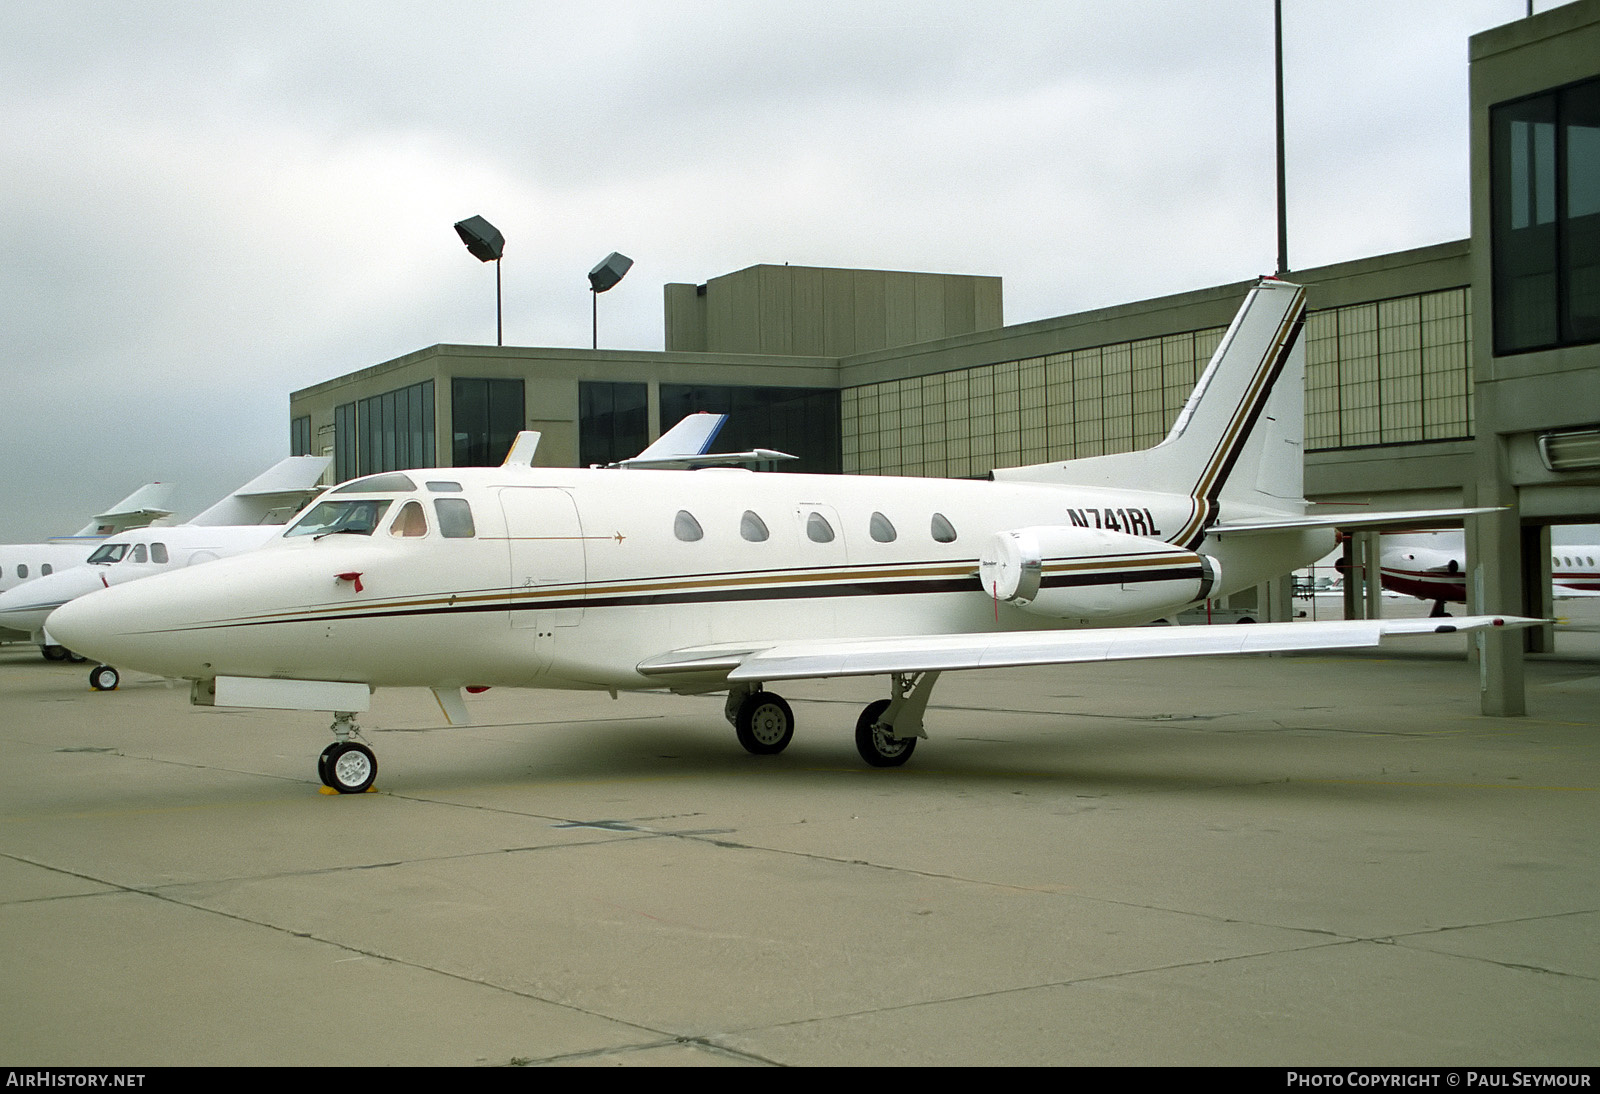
(347, 767)
(875, 744)
(104, 678)
(764, 724)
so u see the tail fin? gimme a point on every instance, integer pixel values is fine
(150, 502)
(272, 497)
(1239, 439)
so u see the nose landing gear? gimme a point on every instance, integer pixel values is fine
(347, 766)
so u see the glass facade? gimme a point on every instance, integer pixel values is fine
(1544, 180)
(395, 430)
(387, 432)
(613, 421)
(801, 421)
(1383, 372)
(485, 418)
(1061, 406)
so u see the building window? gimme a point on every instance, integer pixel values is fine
(1544, 185)
(613, 422)
(395, 430)
(485, 418)
(344, 442)
(300, 436)
(383, 433)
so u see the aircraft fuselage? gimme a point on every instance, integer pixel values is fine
(571, 578)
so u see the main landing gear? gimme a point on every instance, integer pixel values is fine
(761, 719)
(886, 732)
(347, 766)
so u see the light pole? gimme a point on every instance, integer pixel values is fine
(605, 276)
(487, 245)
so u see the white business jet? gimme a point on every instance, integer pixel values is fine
(728, 580)
(1433, 566)
(21, 562)
(244, 520)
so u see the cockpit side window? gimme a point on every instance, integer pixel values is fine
(158, 553)
(355, 517)
(140, 553)
(109, 552)
(411, 523)
(455, 518)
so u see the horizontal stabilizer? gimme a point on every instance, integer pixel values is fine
(1010, 649)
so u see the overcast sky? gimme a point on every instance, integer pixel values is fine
(207, 206)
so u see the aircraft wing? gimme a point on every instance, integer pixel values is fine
(798, 660)
(1410, 518)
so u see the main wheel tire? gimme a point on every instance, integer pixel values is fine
(325, 763)
(54, 653)
(104, 678)
(764, 724)
(351, 767)
(876, 746)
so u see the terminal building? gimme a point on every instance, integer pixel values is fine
(1466, 373)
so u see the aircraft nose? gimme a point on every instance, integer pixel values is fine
(25, 607)
(105, 625)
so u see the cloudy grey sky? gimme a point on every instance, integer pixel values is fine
(207, 206)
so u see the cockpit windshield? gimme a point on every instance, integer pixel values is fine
(355, 517)
(108, 553)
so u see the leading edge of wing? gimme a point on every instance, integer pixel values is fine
(1010, 649)
(1409, 518)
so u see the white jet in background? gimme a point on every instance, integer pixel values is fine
(725, 580)
(21, 562)
(242, 521)
(1433, 566)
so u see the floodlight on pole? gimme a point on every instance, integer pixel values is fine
(486, 244)
(605, 276)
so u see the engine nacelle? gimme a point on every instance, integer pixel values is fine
(1090, 573)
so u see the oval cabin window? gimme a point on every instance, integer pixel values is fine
(753, 528)
(882, 529)
(818, 530)
(686, 528)
(942, 530)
